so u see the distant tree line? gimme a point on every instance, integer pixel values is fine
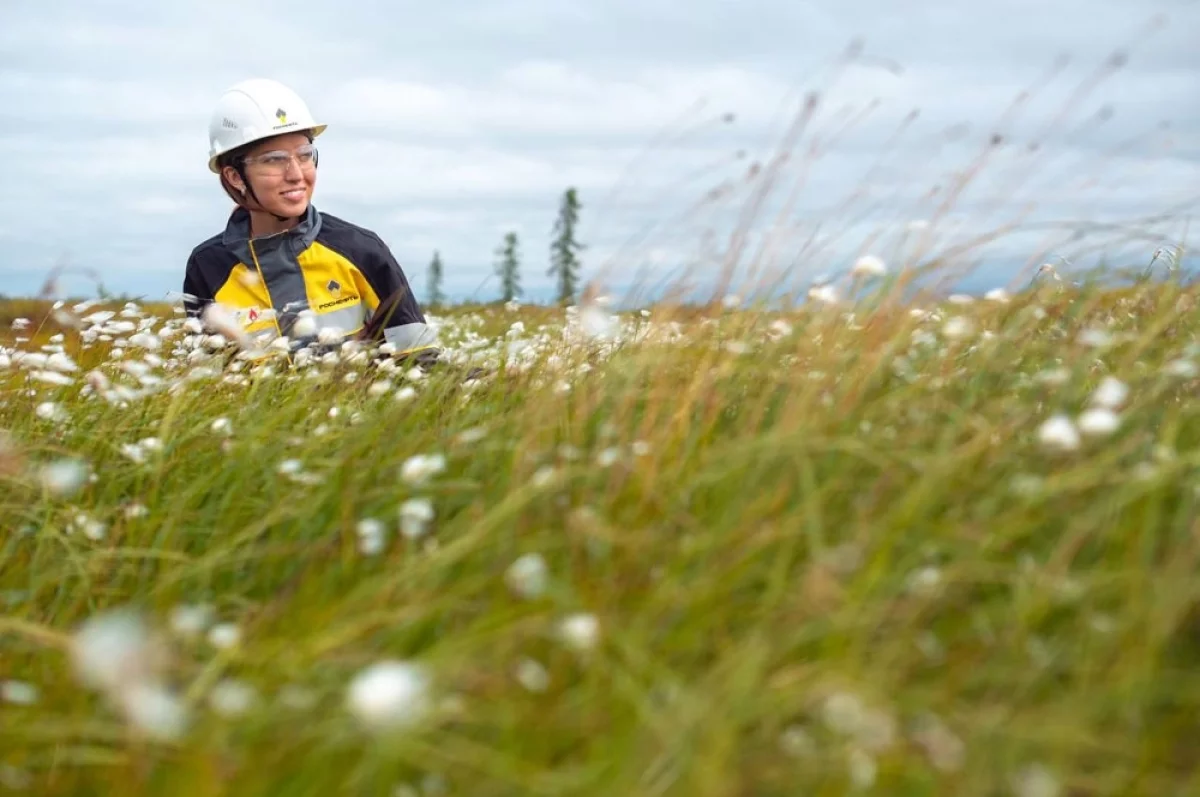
(564, 259)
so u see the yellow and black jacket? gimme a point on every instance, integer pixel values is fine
(343, 274)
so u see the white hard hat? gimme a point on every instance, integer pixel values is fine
(253, 110)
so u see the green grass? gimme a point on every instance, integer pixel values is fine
(831, 548)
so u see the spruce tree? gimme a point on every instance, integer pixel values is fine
(564, 260)
(508, 267)
(435, 280)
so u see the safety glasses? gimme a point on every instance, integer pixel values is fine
(277, 162)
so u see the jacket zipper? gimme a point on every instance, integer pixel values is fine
(266, 287)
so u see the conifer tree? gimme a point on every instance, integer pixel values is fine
(508, 267)
(564, 249)
(435, 280)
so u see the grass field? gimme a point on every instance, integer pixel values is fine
(907, 550)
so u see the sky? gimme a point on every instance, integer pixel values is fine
(772, 139)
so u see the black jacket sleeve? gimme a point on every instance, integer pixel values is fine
(196, 295)
(398, 319)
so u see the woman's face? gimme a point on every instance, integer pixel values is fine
(282, 173)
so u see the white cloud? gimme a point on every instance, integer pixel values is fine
(546, 98)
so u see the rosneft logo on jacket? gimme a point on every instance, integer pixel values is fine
(347, 299)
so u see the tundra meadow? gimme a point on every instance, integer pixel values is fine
(883, 540)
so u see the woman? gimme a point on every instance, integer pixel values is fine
(280, 266)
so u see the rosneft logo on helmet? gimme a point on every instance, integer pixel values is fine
(334, 287)
(281, 115)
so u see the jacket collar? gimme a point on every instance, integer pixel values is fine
(237, 229)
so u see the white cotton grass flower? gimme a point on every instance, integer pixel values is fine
(144, 340)
(842, 712)
(532, 675)
(372, 536)
(869, 266)
(1060, 433)
(191, 620)
(1095, 338)
(222, 321)
(306, 324)
(135, 510)
(290, 467)
(1036, 780)
(154, 710)
(1182, 368)
(18, 693)
(134, 452)
(389, 694)
(598, 324)
(925, 581)
(63, 478)
(50, 411)
(1098, 422)
(1110, 394)
(119, 655)
(224, 636)
(608, 457)
(330, 336)
(873, 729)
(958, 328)
(98, 381)
(826, 294)
(91, 528)
(52, 378)
(1055, 377)
(527, 577)
(862, 768)
(779, 328)
(222, 427)
(543, 476)
(415, 516)
(796, 742)
(579, 631)
(231, 697)
(471, 436)
(418, 469)
(737, 347)
(115, 649)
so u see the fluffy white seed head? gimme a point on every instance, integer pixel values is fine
(389, 694)
(1059, 433)
(116, 649)
(527, 576)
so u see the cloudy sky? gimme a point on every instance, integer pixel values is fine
(452, 124)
